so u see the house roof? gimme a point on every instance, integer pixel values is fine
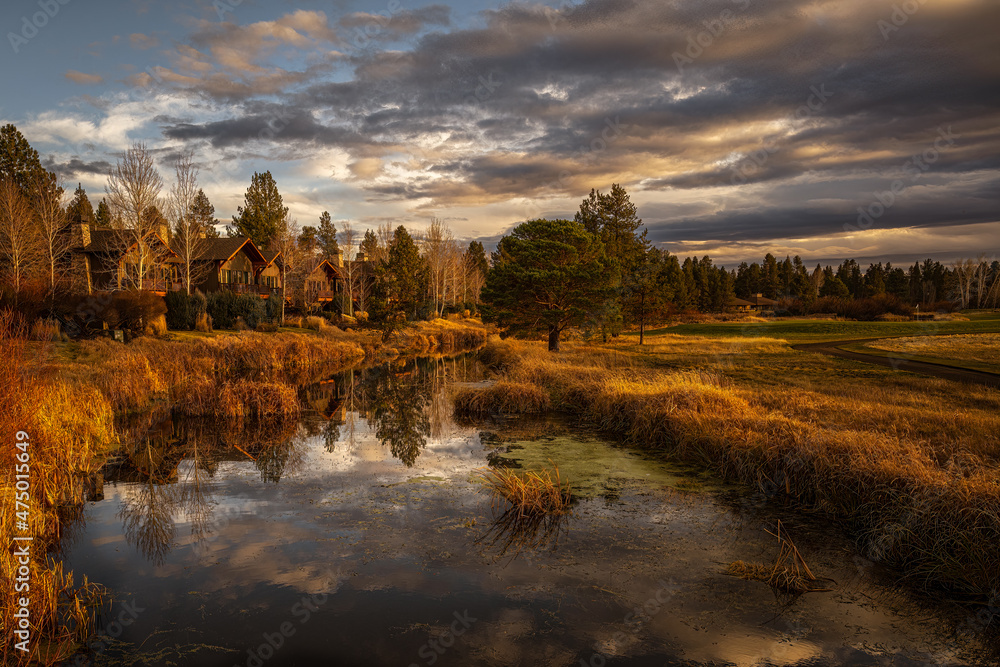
(110, 241)
(225, 248)
(270, 256)
(739, 302)
(327, 266)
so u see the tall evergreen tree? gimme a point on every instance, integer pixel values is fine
(80, 209)
(263, 212)
(204, 214)
(19, 163)
(477, 257)
(401, 281)
(326, 237)
(102, 218)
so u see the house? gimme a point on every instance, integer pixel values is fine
(756, 302)
(269, 276)
(325, 283)
(107, 259)
(237, 265)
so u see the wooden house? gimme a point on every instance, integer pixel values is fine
(106, 259)
(324, 284)
(237, 265)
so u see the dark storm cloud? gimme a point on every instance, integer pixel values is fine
(76, 166)
(776, 92)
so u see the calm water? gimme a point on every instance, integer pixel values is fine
(359, 536)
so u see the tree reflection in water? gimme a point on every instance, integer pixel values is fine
(171, 470)
(398, 395)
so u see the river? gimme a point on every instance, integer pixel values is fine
(359, 535)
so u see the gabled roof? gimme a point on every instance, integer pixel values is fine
(270, 256)
(329, 268)
(109, 241)
(225, 248)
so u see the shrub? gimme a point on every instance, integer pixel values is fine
(45, 330)
(313, 322)
(293, 322)
(226, 308)
(132, 310)
(267, 327)
(157, 326)
(866, 310)
(184, 310)
(361, 316)
(272, 309)
(203, 323)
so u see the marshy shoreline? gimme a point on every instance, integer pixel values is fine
(75, 401)
(918, 491)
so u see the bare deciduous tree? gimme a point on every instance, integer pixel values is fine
(286, 242)
(134, 186)
(52, 232)
(19, 243)
(348, 242)
(189, 240)
(474, 278)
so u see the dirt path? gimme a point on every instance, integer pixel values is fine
(901, 364)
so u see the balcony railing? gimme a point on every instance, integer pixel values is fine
(322, 296)
(259, 290)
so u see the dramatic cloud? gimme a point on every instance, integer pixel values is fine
(733, 124)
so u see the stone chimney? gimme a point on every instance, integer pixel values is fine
(360, 257)
(81, 236)
(338, 258)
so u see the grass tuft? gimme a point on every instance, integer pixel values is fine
(528, 494)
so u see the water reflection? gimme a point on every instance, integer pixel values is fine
(511, 533)
(169, 462)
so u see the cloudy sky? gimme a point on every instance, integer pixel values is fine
(738, 126)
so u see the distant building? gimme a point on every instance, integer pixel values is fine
(756, 302)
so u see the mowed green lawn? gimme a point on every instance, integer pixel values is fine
(817, 331)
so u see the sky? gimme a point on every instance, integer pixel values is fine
(828, 129)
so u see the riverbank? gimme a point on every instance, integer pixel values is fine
(68, 398)
(909, 464)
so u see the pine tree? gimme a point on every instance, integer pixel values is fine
(261, 217)
(326, 237)
(477, 257)
(80, 211)
(204, 215)
(19, 163)
(369, 246)
(547, 275)
(103, 216)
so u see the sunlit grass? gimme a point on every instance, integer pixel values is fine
(911, 464)
(528, 494)
(974, 350)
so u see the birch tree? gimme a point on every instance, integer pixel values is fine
(19, 243)
(190, 243)
(134, 186)
(53, 238)
(347, 244)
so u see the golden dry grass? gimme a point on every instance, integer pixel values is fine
(911, 464)
(68, 428)
(504, 397)
(528, 494)
(977, 348)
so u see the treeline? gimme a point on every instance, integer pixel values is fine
(387, 274)
(967, 283)
(599, 272)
